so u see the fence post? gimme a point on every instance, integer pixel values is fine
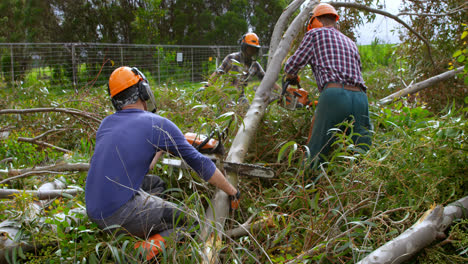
(159, 69)
(12, 64)
(74, 66)
(121, 56)
(192, 65)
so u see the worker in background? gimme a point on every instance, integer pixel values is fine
(243, 62)
(118, 191)
(336, 65)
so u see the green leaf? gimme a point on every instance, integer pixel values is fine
(457, 53)
(284, 148)
(461, 58)
(464, 34)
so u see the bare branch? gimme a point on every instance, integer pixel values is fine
(41, 195)
(6, 160)
(421, 85)
(463, 7)
(387, 14)
(26, 174)
(42, 143)
(60, 167)
(51, 109)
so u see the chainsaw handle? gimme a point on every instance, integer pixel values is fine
(199, 147)
(285, 82)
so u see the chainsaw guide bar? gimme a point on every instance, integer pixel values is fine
(244, 169)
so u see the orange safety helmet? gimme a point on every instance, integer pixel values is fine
(320, 10)
(251, 39)
(121, 79)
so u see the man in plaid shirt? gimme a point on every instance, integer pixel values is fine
(244, 63)
(336, 65)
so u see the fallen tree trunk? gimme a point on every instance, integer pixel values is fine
(420, 85)
(220, 210)
(420, 235)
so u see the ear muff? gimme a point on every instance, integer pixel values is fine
(143, 85)
(314, 23)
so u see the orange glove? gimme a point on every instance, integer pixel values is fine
(235, 200)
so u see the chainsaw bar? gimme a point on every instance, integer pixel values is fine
(249, 170)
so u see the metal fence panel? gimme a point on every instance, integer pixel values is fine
(84, 65)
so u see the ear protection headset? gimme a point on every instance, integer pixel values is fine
(142, 85)
(143, 89)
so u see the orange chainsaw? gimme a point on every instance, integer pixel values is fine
(214, 149)
(293, 98)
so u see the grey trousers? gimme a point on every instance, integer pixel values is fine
(146, 213)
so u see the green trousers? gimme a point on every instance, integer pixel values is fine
(336, 105)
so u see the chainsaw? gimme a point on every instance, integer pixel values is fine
(214, 149)
(293, 98)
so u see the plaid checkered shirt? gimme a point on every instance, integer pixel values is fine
(332, 56)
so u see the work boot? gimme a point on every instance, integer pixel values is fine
(152, 246)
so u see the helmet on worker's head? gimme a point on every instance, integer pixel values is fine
(320, 10)
(127, 85)
(250, 44)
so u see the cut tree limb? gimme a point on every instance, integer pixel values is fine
(421, 85)
(41, 195)
(51, 109)
(420, 235)
(60, 167)
(220, 210)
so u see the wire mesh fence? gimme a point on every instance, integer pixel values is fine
(84, 65)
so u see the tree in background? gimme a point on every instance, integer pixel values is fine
(199, 22)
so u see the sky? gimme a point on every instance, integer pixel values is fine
(381, 27)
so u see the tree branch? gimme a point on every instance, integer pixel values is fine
(41, 195)
(463, 7)
(420, 85)
(60, 167)
(387, 14)
(280, 26)
(42, 143)
(429, 228)
(51, 109)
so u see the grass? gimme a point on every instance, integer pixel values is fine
(339, 213)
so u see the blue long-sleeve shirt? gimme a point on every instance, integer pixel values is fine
(126, 143)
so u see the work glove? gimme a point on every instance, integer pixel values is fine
(235, 200)
(293, 79)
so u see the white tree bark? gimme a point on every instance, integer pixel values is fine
(420, 235)
(218, 214)
(41, 195)
(280, 25)
(421, 85)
